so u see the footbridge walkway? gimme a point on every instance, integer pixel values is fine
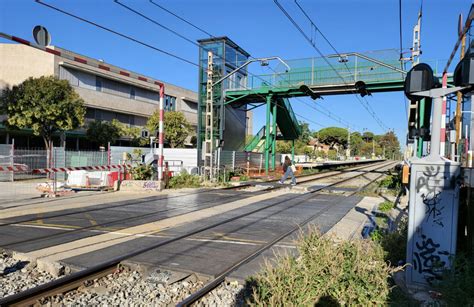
(348, 73)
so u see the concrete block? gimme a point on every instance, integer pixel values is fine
(52, 267)
(142, 186)
(23, 257)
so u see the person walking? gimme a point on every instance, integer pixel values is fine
(288, 171)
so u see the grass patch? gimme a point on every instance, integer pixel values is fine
(371, 190)
(393, 243)
(398, 297)
(324, 274)
(386, 206)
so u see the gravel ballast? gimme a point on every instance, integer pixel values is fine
(132, 288)
(16, 276)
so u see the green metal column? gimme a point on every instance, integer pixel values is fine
(292, 151)
(267, 135)
(274, 141)
(421, 120)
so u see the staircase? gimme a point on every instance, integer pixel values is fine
(257, 144)
(286, 120)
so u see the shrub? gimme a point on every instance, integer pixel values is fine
(184, 180)
(386, 206)
(393, 243)
(457, 286)
(392, 182)
(325, 273)
(142, 172)
(244, 178)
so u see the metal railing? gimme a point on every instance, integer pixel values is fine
(371, 67)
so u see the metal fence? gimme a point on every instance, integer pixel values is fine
(243, 160)
(177, 159)
(85, 158)
(31, 158)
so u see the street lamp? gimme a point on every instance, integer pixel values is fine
(263, 62)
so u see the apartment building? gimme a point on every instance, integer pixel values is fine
(107, 95)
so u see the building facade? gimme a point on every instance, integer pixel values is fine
(107, 95)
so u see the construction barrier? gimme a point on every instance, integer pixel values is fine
(14, 168)
(80, 168)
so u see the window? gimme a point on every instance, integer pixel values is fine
(170, 103)
(132, 92)
(98, 84)
(90, 113)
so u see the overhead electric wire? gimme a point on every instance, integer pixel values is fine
(118, 33)
(138, 41)
(194, 43)
(367, 105)
(182, 19)
(212, 36)
(295, 24)
(401, 29)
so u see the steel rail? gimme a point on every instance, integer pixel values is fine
(148, 199)
(221, 277)
(66, 282)
(93, 227)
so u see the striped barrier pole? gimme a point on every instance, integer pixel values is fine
(442, 146)
(161, 135)
(14, 168)
(80, 168)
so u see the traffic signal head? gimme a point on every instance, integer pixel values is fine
(464, 72)
(420, 78)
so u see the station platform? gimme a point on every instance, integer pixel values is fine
(327, 164)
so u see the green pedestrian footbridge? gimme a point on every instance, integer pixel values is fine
(341, 74)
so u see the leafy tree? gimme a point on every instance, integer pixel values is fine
(368, 136)
(176, 127)
(305, 133)
(131, 132)
(391, 144)
(102, 132)
(283, 147)
(356, 143)
(366, 149)
(332, 136)
(47, 105)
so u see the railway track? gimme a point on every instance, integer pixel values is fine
(306, 179)
(74, 280)
(211, 285)
(326, 169)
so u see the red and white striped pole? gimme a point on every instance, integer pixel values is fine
(160, 133)
(442, 150)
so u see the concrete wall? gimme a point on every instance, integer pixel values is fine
(180, 93)
(19, 62)
(187, 155)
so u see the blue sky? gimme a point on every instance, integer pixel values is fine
(259, 27)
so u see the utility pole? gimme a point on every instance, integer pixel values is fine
(209, 122)
(459, 96)
(373, 147)
(348, 142)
